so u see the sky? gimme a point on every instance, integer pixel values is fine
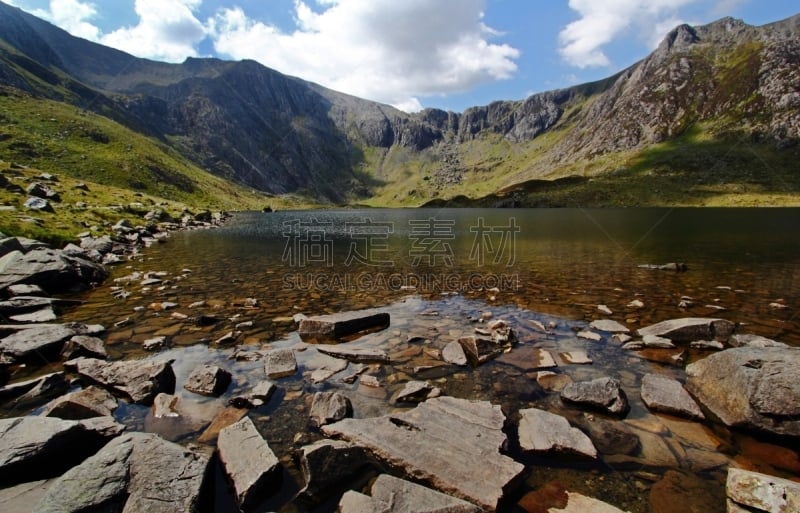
(413, 54)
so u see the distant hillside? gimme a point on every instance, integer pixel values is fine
(711, 117)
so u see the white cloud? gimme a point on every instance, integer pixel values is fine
(581, 42)
(167, 30)
(71, 15)
(384, 50)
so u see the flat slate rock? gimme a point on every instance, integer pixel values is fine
(602, 393)
(400, 496)
(667, 395)
(82, 404)
(248, 461)
(344, 323)
(689, 329)
(138, 380)
(356, 354)
(752, 491)
(544, 432)
(41, 342)
(134, 473)
(209, 380)
(451, 444)
(280, 363)
(41, 447)
(84, 345)
(609, 326)
(750, 388)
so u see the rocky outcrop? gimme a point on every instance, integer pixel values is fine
(399, 496)
(750, 388)
(138, 472)
(34, 448)
(754, 492)
(666, 395)
(602, 393)
(450, 444)
(137, 380)
(248, 461)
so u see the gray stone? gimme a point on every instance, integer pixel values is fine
(328, 407)
(9, 244)
(84, 345)
(39, 342)
(22, 497)
(52, 270)
(154, 343)
(344, 323)
(748, 340)
(589, 335)
(40, 190)
(390, 494)
(602, 393)
(708, 345)
(454, 354)
(416, 392)
(41, 447)
(135, 473)
(544, 432)
(750, 388)
(208, 380)
(667, 395)
(327, 463)
(656, 342)
(689, 329)
(280, 363)
(258, 396)
(24, 289)
(165, 406)
(82, 404)
(451, 444)
(138, 380)
(760, 492)
(327, 367)
(39, 204)
(248, 461)
(480, 349)
(36, 390)
(40, 315)
(609, 326)
(577, 503)
(356, 354)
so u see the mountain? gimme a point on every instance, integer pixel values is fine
(713, 112)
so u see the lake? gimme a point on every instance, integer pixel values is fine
(436, 272)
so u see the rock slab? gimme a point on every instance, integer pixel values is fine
(280, 363)
(750, 388)
(544, 432)
(82, 404)
(138, 380)
(752, 491)
(667, 395)
(344, 323)
(400, 496)
(135, 473)
(451, 444)
(689, 329)
(356, 354)
(248, 461)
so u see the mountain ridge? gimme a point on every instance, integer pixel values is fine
(281, 134)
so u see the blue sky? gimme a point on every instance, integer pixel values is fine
(450, 54)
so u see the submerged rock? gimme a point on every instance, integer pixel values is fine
(451, 444)
(137, 472)
(602, 393)
(138, 380)
(248, 461)
(750, 388)
(400, 496)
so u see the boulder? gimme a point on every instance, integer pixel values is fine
(40, 190)
(135, 473)
(754, 492)
(344, 323)
(138, 380)
(453, 353)
(39, 204)
(279, 363)
(690, 329)
(602, 393)
(52, 270)
(208, 380)
(544, 432)
(41, 447)
(248, 461)
(451, 444)
(400, 496)
(327, 463)
(667, 395)
(356, 354)
(328, 407)
(82, 404)
(750, 388)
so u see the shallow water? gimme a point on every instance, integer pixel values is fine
(436, 271)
